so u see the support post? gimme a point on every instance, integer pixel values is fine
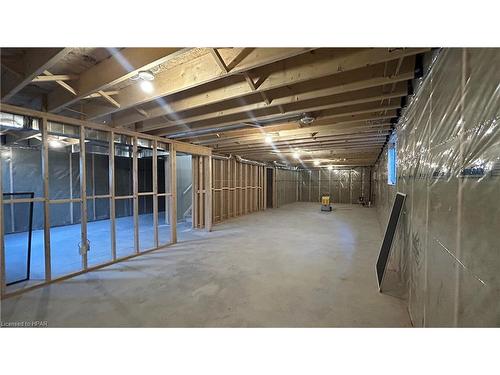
(265, 188)
(46, 204)
(208, 193)
(135, 184)
(83, 197)
(111, 174)
(194, 191)
(173, 196)
(155, 193)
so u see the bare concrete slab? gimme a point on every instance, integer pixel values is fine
(289, 267)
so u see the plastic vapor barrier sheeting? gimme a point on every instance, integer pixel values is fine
(346, 185)
(446, 255)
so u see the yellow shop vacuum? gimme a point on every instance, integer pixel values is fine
(325, 203)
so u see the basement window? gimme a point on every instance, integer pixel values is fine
(391, 165)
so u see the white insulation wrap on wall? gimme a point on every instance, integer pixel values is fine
(447, 249)
(343, 185)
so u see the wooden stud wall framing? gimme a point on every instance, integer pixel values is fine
(203, 154)
(238, 188)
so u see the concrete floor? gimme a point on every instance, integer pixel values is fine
(289, 267)
(64, 241)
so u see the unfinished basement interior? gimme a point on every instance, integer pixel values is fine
(250, 187)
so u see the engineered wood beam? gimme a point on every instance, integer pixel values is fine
(122, 65)
(193, 73)
(32, 64)
(347, 69)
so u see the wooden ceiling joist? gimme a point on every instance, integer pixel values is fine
(327, 112)
(276, 136)
(218, 59)
(97, 95)
(122, 65)
(55, 77)
(33, 63)
(194, 73)
(351, 70)
(337, 104)
(306, 137)
(61, 83)
(315, 144)
(330, 153)
(304, 144)
(293, 104)
(109, 98)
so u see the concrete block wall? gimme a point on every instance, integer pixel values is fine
(446, 251)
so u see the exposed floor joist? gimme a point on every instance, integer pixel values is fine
(250, 101)
(365, 64)
(33, 63)
(121, 66)
(192, 74)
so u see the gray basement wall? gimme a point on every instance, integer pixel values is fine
(344, 185)
(286, 186)
(446, 253)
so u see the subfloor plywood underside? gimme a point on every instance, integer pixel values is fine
(289, 267)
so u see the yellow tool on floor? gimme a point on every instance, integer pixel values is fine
(325, 203)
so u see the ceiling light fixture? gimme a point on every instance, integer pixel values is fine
(268, 139)
(56, 144)
(147, 86)
(307, 119)
(296, 155)
(316, 163)
(330, 167)
(145, 75)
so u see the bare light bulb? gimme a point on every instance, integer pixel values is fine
(147, 86)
